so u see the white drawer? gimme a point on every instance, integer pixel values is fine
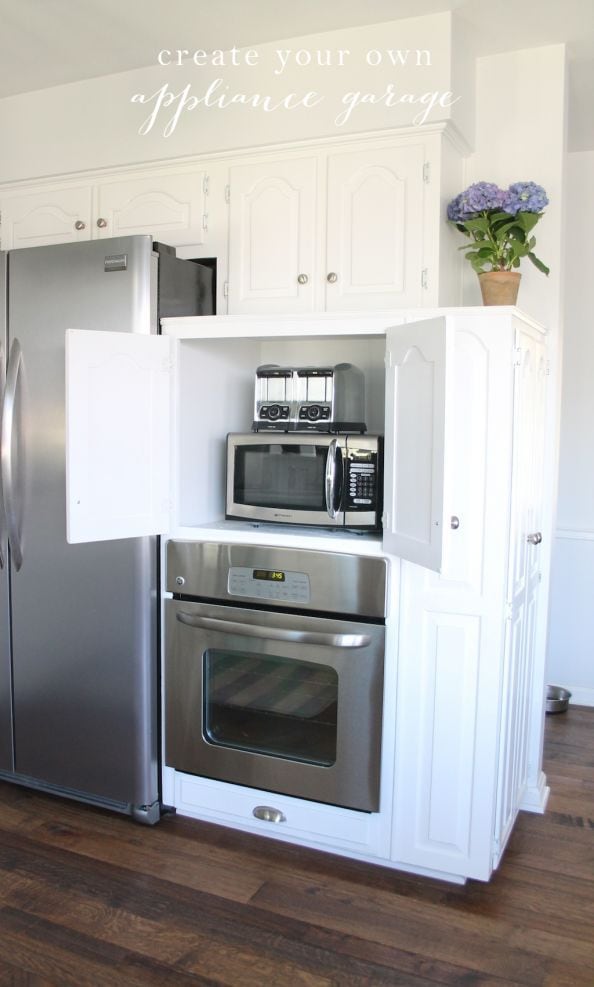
(310, 823)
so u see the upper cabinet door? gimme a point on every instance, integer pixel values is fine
(117, 435)
(415, 441)
(374, 229)
(272, 236)
(49, 216)
(168, 207)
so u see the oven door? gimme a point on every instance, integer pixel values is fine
(277, 701)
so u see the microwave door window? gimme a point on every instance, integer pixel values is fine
(290, 477)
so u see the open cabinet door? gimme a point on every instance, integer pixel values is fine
(414, 441)
(117, 435)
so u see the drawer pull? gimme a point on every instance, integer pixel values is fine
(268, 814)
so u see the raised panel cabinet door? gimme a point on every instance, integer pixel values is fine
(49, 216)
(439, 823)
(168, 207)
(415, 441)
(272, 237)
(520, 687)
(117, 435)
(374, 229)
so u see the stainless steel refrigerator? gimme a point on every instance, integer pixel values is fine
(79, 679)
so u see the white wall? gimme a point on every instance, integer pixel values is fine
(93, 124)
(520, 136)
(571, 636)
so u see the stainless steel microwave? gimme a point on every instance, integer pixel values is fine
(333, 481)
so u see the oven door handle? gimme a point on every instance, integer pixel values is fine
(274, 633)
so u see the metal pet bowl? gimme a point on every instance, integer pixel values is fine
(557, 699)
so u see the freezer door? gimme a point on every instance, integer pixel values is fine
(83, 616)
(6, 751)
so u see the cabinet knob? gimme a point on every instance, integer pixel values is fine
(79, 225)
(535, 538)
(302, 278)
(268, 814)
(101, 223)
(332, 278)
(454, 522)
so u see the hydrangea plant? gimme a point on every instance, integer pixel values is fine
(500, 223)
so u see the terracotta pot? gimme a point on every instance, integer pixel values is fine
(499, 287)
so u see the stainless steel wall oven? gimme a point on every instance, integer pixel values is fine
(274, 669)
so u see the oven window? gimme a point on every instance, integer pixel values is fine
(277, 475)
(283, 707)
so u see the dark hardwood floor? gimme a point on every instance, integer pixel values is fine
(88, 899)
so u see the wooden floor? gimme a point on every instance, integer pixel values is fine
(90, 898)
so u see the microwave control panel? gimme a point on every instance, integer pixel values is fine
(269, 584)
(362, 480)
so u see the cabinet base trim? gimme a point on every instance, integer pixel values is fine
(536, 796)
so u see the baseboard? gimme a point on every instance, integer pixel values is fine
(536, 797)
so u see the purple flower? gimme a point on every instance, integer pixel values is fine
(524, 197)
(454, 212)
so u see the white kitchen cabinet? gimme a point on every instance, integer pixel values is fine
(351, 228)
(374, 234)
(464, 489)
(169, 204)
(272, 244)
(49, 215)
(466, 696)
(118, 435)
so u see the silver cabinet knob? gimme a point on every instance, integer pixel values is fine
(454, 522)
(180, 580)
(101, 223)
(268, 814)
(332, 278)
(79, 225)
(302, 278)
(535, 538)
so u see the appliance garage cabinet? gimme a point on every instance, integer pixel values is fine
(460, 395)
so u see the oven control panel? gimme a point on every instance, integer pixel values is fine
(278, 585)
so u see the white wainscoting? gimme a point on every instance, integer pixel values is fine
(570, 658)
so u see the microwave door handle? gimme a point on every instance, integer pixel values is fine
(274, 633)
(330, 485)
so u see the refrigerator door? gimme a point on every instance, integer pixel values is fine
(83, 616)
(6, 752)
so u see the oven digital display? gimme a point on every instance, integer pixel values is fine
(272, 575)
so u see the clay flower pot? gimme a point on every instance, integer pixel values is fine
(499, 287)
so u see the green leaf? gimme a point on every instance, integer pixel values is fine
(480, 224)
(528, 220)
(538, 263)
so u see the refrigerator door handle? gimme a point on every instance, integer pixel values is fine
(15, 366)
(2, 522)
